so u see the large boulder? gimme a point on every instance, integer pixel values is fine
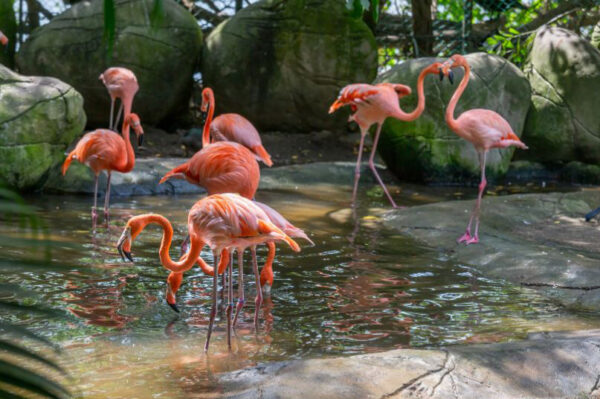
(426, 149)
(281, 63)
(164, 57)
(39, 117)
(564, 121)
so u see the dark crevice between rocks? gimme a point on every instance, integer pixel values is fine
(417, 379)
(448, 371)
(564, 287)
(62, 94)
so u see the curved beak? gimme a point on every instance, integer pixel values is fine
(124, 254)
(451, 76)
(141, 140)
(441, 75)
(174, 307)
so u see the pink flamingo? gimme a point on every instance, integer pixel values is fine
(3, 39)
(231, 127)
(484, 128)
(374, 104)
(222, 221)
(121, 83)
(104, 149)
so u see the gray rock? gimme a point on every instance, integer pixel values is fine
(563, 123)
(281, 63)
(426, 149)
(71, 48)
(553, 365)
(537, 240)
(39, 117)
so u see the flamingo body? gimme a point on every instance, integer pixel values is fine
(223, 167)
(120, 83)
(236, 128)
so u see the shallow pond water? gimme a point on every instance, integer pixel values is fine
(360, 289)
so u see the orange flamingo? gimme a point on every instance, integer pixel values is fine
(104, 149)
(231, 127)
(484, 128)
(374, 104)
(121, 83)
(222, 221)
(3, 39)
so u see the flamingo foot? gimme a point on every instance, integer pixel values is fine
(464, 237)
(238, 308)
(472, 240)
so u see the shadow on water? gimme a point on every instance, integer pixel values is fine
(360, 289)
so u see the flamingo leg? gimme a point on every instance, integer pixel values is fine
(213, 311)
(229, 310)
(94, 211)
(467, 238)
(372, 166)
(259, 299)
(107, 197)
(361, 146)
(112, 107)
(118, 117)
(267, 270)
(241, 299)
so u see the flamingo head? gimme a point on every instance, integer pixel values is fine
(3, 39)
(173, 284)
(455, 61)
(134, 121)
(133, 228)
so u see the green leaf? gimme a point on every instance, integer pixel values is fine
(18, 376)
(157, 14)
(356, 10)
(375, 10)
(110, 21)
(26, 353)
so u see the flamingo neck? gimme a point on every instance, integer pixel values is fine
(455, 97)
(421, 98)
(186, 262)
(129, 160)
(206, 131)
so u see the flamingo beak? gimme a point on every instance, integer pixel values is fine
(124, 237)
(141, 140)
(451, 76)
(441, 75)
(174, 307)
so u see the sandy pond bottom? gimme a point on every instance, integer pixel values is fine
(360, 289)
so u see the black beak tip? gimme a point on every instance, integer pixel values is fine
(141, 140)
(174, 307)
(441, 75)
(128, 255)
(451, 77)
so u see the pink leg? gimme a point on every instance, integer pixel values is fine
(116, 124)
(241, 298)
(467, 238)
(213, 311)
(372, 166)
(112, 108)
(230, 300)
(107, 198)
(259, 299)
(94, 211)
(363, 133)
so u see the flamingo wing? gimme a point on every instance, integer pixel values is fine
(487, 129)
(236, 128)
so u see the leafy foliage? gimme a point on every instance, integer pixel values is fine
(358, 7)
(24, 373)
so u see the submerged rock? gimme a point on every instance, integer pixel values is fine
(281, 63)
(546, 365)
(71, 48)
(563, 123)
(426, 149)
(39, 117)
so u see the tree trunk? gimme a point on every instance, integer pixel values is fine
(422, 27)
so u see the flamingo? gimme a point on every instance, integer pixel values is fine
(222, 221)
(485, 129)
(3, 39)
(121, 83)
(266, 274)
(374, 104)
(104, 149)
(231, 127)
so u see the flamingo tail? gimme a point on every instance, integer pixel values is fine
(262, 154)
(268, 227)
(175, 173)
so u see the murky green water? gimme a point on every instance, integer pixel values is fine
(360, 289)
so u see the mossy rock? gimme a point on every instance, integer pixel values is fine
(426, 150)
(8, 26)
(281, 63)
(564, 122)
(39, 117)
(164, 58)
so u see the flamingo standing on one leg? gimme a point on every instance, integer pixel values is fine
(105, 150)
(121, 83)
(3, 39)
(484, 128)
(221, 221)
(231, 127)
(374, 104)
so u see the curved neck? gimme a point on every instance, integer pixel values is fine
(421, 98)
(206, 131)
(455, 97)
(186, 262)
(129, 161)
